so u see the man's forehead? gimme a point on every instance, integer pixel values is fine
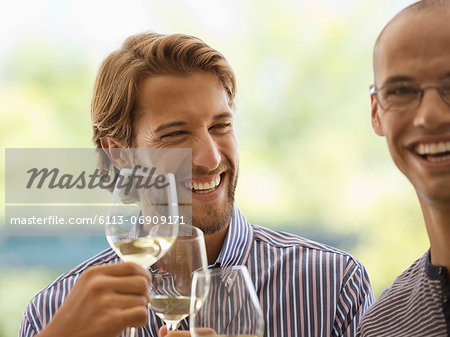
(170, 84)
(170, 101)
(412, 34)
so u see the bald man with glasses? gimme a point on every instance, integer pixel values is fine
(411, 109)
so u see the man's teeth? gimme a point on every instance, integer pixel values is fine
(204, 186)
(426, 149)
(438, 159)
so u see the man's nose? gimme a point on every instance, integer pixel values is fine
(205, 152)
(433, 112)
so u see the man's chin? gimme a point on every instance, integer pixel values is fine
(212, 219)
(435, 196)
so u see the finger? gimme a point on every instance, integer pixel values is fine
(122, 269)
(136, 316)
(136, 285)
(121, 301)
(178, 334)
(162, 331)
(105, 284)
(205, 332)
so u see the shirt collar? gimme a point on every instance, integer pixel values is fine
(237, 243)
(434, 272)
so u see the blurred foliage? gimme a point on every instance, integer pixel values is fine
(45, 97)
(310, 163)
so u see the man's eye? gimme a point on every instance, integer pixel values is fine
(401, 90)
(445, 87)
(174, 134)
(221, 126)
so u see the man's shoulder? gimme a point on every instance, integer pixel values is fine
(411, 305)
(312, 257)
(282, 239)
(104, 257)
(406, 282)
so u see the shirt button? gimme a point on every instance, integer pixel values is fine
(444, 299)
(440, 270)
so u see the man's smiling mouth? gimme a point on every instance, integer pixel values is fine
(434, 152)
(204, 187)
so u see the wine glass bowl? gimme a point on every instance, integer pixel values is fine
(143, 251)
(224, 303)
(142, 222)
(170, 289)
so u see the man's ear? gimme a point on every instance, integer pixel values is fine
(110, 143)
(116, 152)
(376, 123)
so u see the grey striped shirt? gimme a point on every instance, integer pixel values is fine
(416, 304)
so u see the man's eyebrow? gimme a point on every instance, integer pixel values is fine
(398, 78)
(169, 125)
(223, 115)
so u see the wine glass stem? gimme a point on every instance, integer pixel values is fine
(172, 326)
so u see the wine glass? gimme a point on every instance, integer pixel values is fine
(224, 303)
(143, 220)
(170, 289)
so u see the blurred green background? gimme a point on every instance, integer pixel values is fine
(309, 160)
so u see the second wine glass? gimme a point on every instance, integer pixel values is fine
(170, 290)
(230, 305)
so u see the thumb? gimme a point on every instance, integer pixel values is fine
(162, 331)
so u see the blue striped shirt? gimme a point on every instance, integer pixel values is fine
(305, 288)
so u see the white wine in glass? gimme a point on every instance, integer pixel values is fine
(229, 307)
(142, 223)
(143, 251)
(170, 290)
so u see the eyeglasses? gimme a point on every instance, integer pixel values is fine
(402, 96)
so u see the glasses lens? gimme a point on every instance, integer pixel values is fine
(445, 90)
(399, 96)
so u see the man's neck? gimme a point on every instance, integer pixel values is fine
(214, 243)
(437, 221)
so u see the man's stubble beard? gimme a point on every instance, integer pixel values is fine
(217, 218)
